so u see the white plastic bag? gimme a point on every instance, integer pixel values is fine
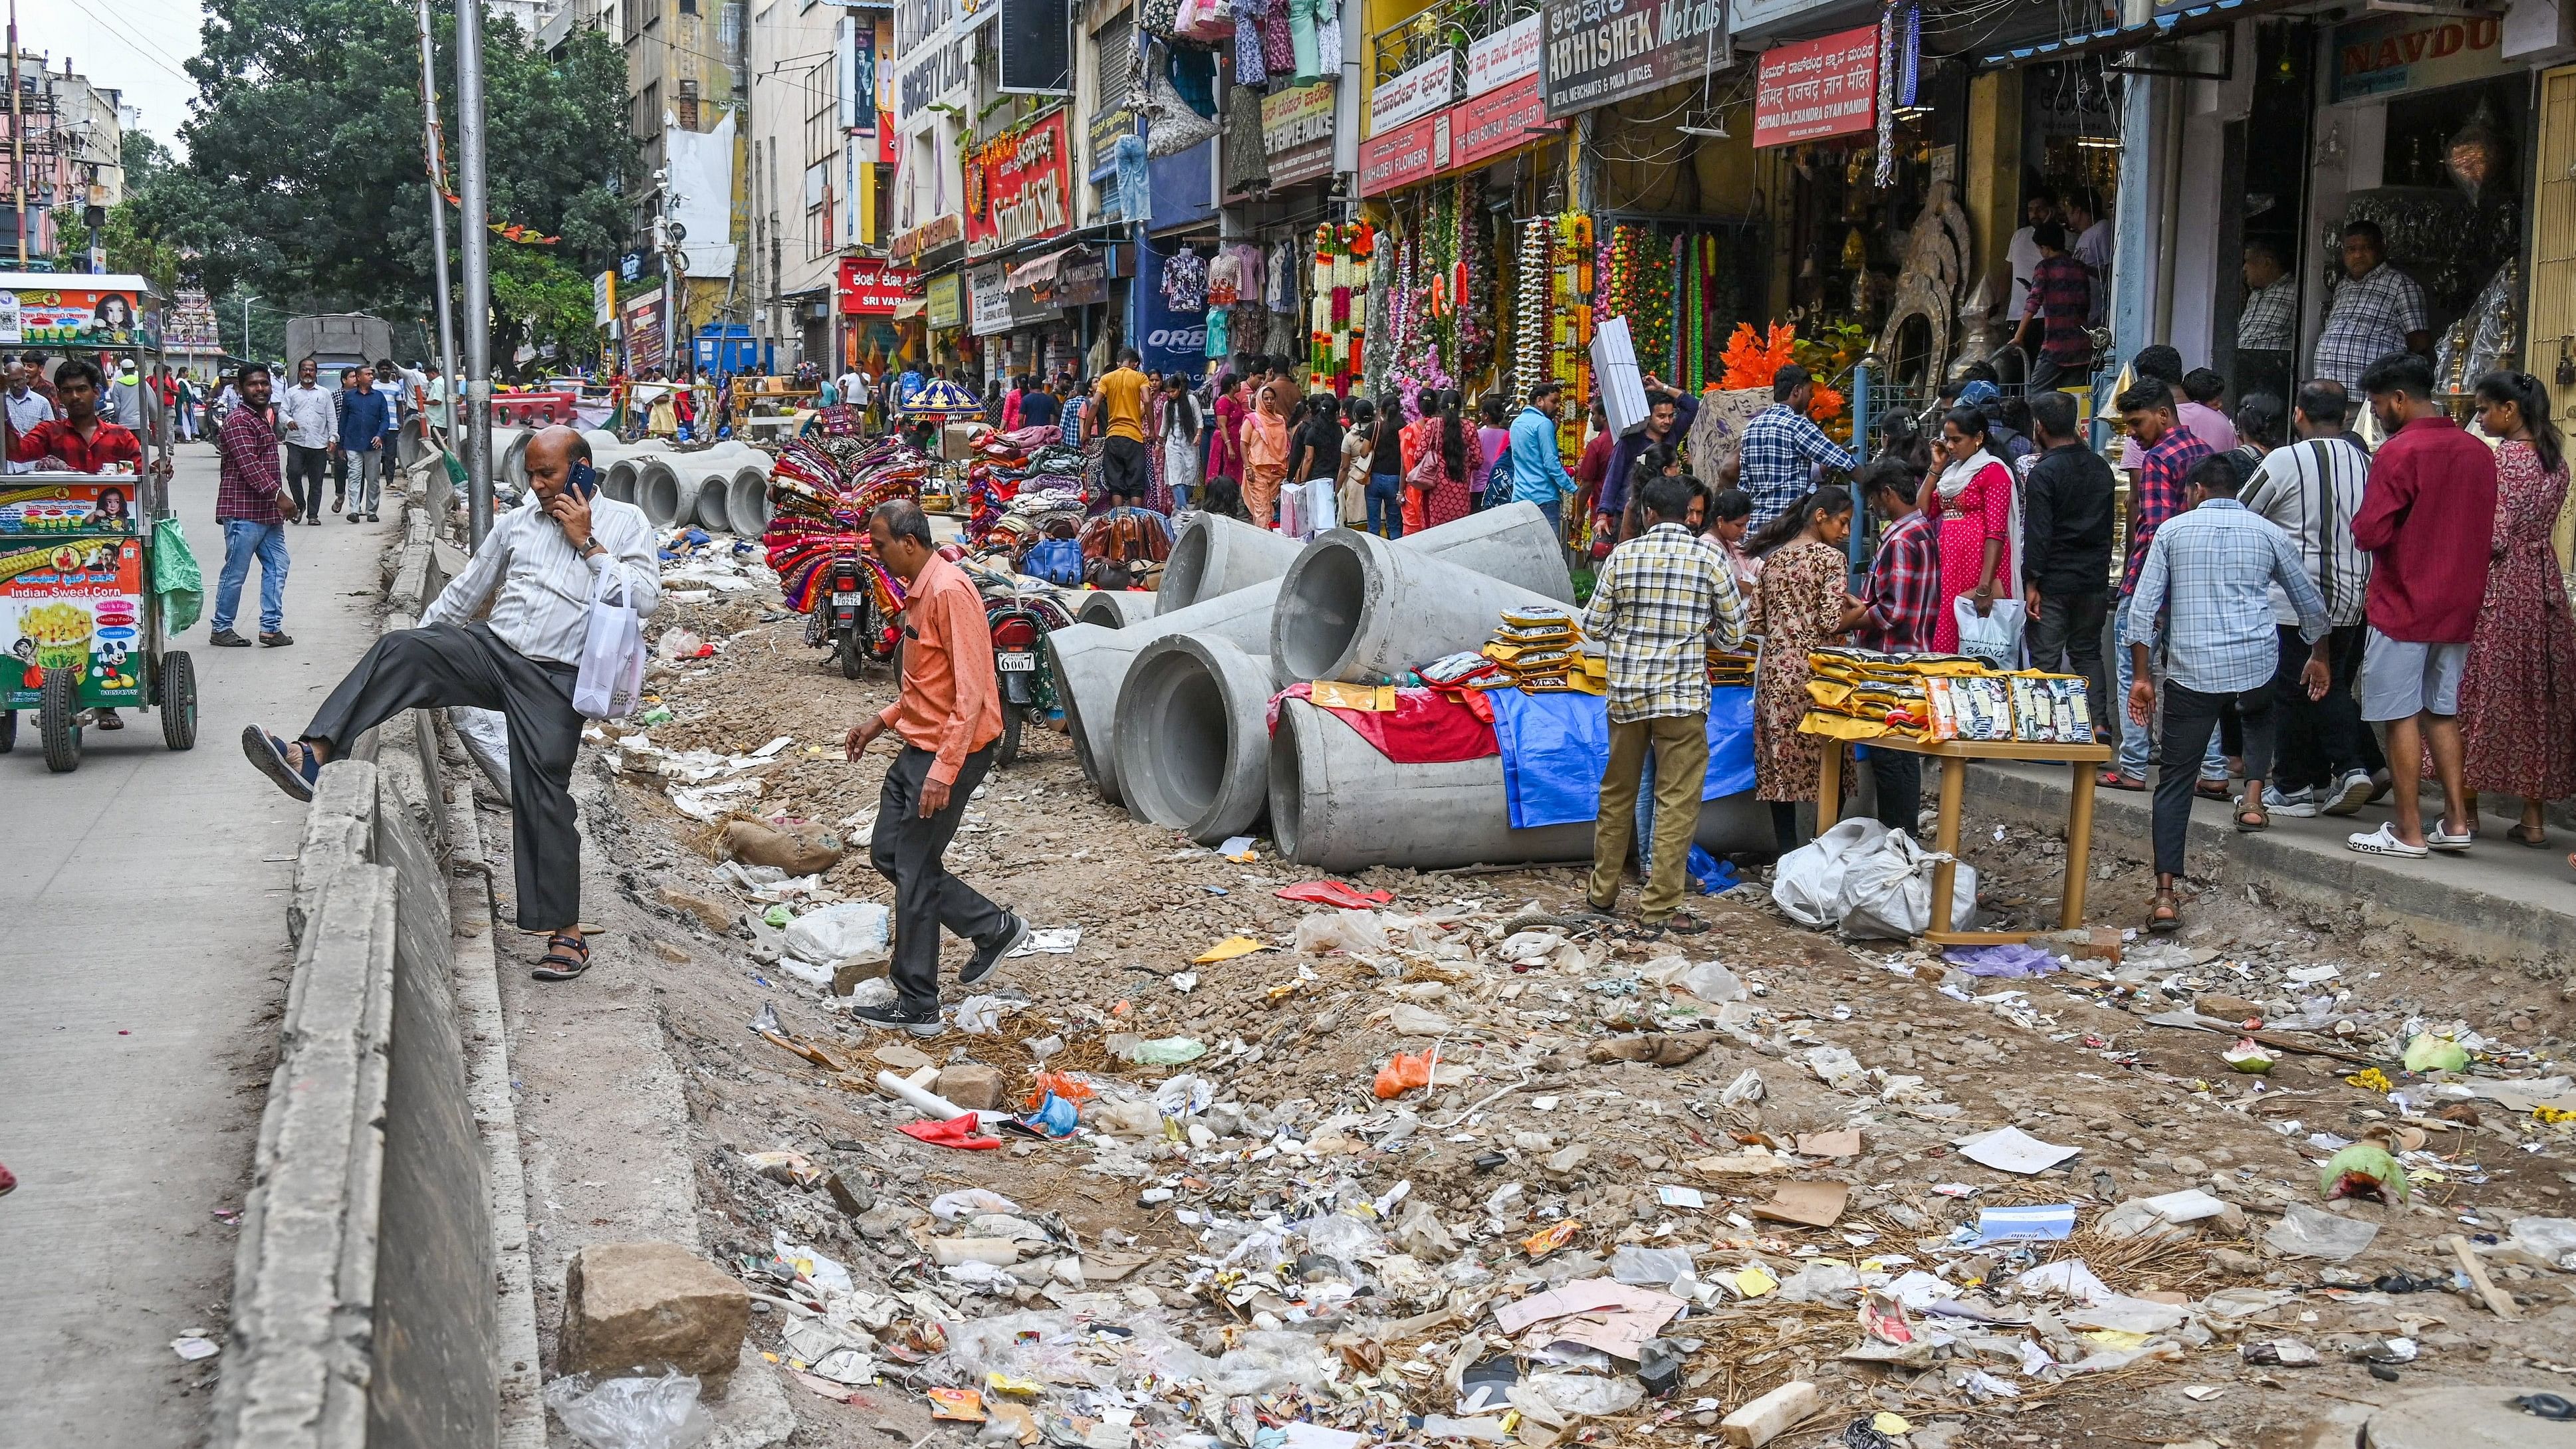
(1808, 882)
(485, 733)
(1323, 508)
(1994, 637)
(1887, 890)
(837, 934)
(631, 1413)
(612, 652)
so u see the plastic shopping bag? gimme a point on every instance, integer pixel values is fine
(1808, 882)
(612, 652)
(1994, 637)
(1887, 890)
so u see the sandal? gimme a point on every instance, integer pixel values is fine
(2164, 913)
(2251, 818)
(1682, 923)
(2210, 789)
(567, 956)
(2114, 780)
(2537, 837)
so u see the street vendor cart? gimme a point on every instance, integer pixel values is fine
(925, 413)
(86, 558)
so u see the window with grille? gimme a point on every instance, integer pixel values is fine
(1116, 43)
(688, 105)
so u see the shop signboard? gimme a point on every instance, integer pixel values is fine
(988, 296)
(192, 324)
(1811, 89)
(909, 247)
(2382, 55)
(1505, 56)
(1081, 280)
(75, 605)
(56, 507)
(1105, 129)
(1414, 94)
(57, 311)
(603, 298)
(935, 50)
(1020, 189)
(1754, 20)
(871, 288)
(644, 331)
(1171, 340)
(1467, 134)
(1297, 133)
(946, 297)
(1599, 51)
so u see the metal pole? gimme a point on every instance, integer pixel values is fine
(18, 135)
(1860, 449)
(437, 214)
(474, 244)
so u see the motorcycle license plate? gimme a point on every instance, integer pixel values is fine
(1016, 663)
(844, 601)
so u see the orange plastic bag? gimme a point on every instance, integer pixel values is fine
(1063, 1084)
(1403, 1074)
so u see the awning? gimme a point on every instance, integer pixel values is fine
(1039, 275)
(2170, 23)
(911, 307)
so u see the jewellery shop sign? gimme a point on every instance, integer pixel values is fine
(1019, 188)
(1599, 51)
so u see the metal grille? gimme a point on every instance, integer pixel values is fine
(2551, 344)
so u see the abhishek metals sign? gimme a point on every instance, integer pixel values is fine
(1599, 51)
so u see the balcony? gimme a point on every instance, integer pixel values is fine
(1442, 26)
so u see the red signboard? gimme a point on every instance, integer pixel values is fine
(1020, 188)
(872, 288)
(1467, 134)
(1817, 88)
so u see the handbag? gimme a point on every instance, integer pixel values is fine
(1427, 472)
(611, 680)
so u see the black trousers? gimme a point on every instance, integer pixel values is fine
(1899, 774)
(2322, 740)
(2066, 638)
(444, 665)
(1124, 470)
(339, 477)
(304, 467)
(907, 850)
(2189, 716)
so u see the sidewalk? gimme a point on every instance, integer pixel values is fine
(2501, 900)
(144, 988)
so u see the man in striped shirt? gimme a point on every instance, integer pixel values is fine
(2310, 491)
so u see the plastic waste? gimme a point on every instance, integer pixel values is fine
(1358, 933)
(1167, 1051)
(875, 991)
(1407, 1019)
(2430, 1053)
(631, 1413)
(1053, 1117)
(683, 644)
(1650, 1267)
(766, 1019)
(2553, 1240)
(2002, 961)
(1340, 1235)
(981, 1015)
(1712, 982)
(1583, 1395)
(1712, 875)
(951, 1207)
(485, 733)
(1442, 1426)
(1186, 1095)
(2308, 1232)
(1404, 1072)
(835, 934)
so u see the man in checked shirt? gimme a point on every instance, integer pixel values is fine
(1662, 598)
(2172, 451)
(246, 510)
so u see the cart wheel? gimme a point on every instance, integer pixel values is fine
(8, 730)
(178, 688)
(59, 721)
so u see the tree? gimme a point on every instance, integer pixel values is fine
(305, 177)
(540, 301)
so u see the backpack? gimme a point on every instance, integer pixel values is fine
(1057, 560)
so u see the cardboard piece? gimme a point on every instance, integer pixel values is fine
(2010, 1149)
(1615, 372)
(1845, 1143)
(1616, 1318)
(1813, 1204)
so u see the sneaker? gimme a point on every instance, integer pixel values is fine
(988, 954)
(895, 1016)
(372, 518)
(353, 518)
(2349, 794)
(2298, 804)
(227, 639)
(293, 769)
(2381, 782)
(276, 639)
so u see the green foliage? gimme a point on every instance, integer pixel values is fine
(305, 181)
(541, 301)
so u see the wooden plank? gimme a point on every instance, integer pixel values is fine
(2498, 1301)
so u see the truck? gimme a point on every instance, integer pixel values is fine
(335, 340)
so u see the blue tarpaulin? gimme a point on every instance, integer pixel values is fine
(1556, 745)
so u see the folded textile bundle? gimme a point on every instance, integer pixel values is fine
(1859, 694)
(1539, 649)
(821, 491)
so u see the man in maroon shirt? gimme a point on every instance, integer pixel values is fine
(246, 510)
(2426, 517)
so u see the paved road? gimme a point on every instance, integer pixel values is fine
(139, 997)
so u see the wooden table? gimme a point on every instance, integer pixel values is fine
(1954, 756)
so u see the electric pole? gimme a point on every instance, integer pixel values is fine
(17, 136)
(437, 214)
(475, 245)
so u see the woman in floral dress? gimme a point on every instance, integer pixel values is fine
(1801, 603)
(1972, 497)
(1452, 495)
(2518, 693)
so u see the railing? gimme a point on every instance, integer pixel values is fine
(1443, 25)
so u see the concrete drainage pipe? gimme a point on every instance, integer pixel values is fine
(1216, 555)
(617, 477)
(657, 491)
(1193, 739)
(1091, 661)
(707, 505)
(1337, 804)
(601, 440)
(510, 455)
(1356, 607)
(1115, 608)
(747, 499)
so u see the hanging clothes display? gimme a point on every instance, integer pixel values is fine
(1246, 168)
(1185, 281)
(1251, 70)
(1193, 72)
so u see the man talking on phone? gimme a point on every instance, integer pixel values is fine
(535, 572)
(947, 718)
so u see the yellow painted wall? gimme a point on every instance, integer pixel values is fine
(1990, 176)
(1377, 15)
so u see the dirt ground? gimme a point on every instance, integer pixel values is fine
(1535, 1132)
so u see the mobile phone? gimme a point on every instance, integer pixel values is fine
(585, 479)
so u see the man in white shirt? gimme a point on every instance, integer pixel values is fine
(851, 386)
(311, 413)
(2022, 254)
(536, 571)
(26, 407)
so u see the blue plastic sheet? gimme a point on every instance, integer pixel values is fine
(1555, 747)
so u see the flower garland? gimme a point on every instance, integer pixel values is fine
(1572, 270)
(1753, 359)
(1379, 352)
(1337, 334)
(1532, 293)
(1637, 284)
(1473, 285)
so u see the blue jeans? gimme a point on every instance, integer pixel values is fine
(1554, 508)
(2135, 737)
(1386, 505)
(241, 541)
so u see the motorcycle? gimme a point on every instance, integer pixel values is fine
(1019, 664)
(849, 620)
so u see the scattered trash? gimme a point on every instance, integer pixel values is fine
(2248, 1056)
(804, 849)
(2053, 1223)
(194, 1345)
(832, 935)
(2362, 1170)
(2010, 1149)
(2307, 1232)
(631, 1413)
(2006, 960)
(1170, 1051)
(1333, 893)
(1811, 1204)
(1227, 950)
(2429, 1053)
(1051, 941)
(1403, 1073)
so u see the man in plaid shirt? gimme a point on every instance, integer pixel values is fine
(2377, 310)
(1896, 611)
(2172, 451)
(246, 510)
(2059, 302)
(1783, 447)
(1662, 599)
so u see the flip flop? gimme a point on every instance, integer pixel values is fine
(273, 758)
(2537, 839)
(2210, 789)
(2384, 841)
(2114, 780)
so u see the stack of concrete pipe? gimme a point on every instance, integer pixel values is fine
(697, 487)
(1191, 746)
(1115, 608)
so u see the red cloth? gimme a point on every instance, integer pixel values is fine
(1333, 893)
(955, 1132)
(2428, 519)
(1426, 727)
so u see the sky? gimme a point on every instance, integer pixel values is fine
(136, 46)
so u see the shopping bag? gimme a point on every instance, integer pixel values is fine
(1887, 890)
(1994, 637)
(1808, 882)
(612, 652)
(1323, 508)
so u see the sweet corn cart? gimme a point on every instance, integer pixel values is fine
(80, 619)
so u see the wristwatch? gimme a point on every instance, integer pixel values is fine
(592, 547)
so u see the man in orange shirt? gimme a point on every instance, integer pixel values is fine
(949, 714)
(1120, 398)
